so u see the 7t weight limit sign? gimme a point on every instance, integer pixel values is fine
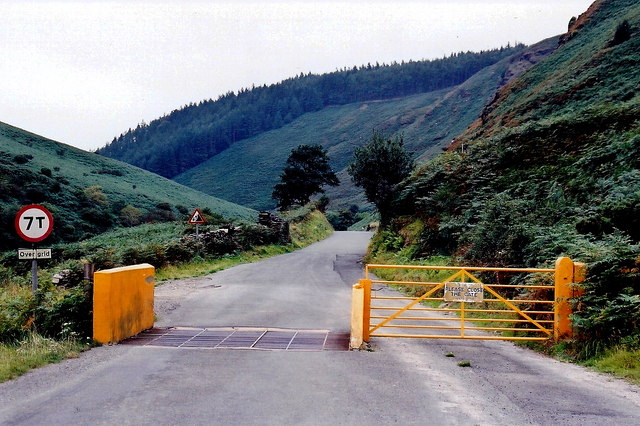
(34, 223)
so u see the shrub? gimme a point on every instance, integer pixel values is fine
(22, 158)
(502, 233)
(160, 215)
(164, 206)
(64, 314)
(342, 220)
(106, 171)
(16, 306)
(219, 242)
(154, 254)
(94, 195)
(623, 33)
(130, 216)
(104, 258)
(177, 252)
(73, 273)
(256, 235)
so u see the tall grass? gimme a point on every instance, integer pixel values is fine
(620, 362)
(35, 351)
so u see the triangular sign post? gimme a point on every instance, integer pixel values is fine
(196, 218)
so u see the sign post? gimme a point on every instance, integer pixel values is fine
(34, 223)
(196, 219)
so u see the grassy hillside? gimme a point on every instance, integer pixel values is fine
(88, 193)
(246, 172)
(174, 143)
(551, 168)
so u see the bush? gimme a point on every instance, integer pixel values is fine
(64, 314)
(16, 305)
(342, 220)
(73, 273)
(104, 258)
(623, 33)
(160, 215)
(23, 158)
(502, 233)
(154, 254)
(130, 216)
(256, 235)
(177, 252)
(219, 242)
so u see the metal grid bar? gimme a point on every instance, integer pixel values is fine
(242, 338)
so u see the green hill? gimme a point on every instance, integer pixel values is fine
(174, 143)
(246, 172)
(551, 168)
(87, 193)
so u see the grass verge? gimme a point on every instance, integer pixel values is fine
(619, 362)
(200, 267)
(312, 228)
(35, 351)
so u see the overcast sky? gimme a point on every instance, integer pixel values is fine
(82, 72)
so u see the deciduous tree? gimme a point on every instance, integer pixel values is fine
(306, 172)
(378, 168)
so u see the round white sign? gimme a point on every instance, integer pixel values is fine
(34, 223)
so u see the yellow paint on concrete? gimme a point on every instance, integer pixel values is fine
(122, 302)
(563, 328)
(357, 316)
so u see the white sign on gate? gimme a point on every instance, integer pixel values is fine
(463, 292)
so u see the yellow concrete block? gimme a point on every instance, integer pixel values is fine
(122, 302)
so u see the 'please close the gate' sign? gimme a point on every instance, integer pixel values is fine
(463, 292)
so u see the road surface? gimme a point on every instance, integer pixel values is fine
(401, 382)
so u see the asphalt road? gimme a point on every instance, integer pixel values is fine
(399, 382)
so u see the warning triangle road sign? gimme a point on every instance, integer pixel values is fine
(196, 218)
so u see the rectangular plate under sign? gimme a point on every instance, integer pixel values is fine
(30, 254)
(463, 292)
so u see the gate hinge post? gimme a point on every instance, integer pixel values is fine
(366, 308)
(567, 274)
(360, 306)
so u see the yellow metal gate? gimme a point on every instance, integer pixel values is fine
(467, 303)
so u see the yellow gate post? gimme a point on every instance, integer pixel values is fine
(567, 274)
(357, 316)
(366, 320)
